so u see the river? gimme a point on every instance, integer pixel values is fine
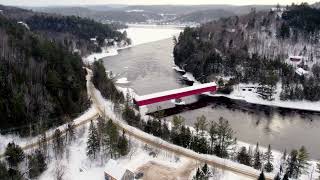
(148, 68)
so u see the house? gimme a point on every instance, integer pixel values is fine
(301, 72)
(113, 171)
(24, 24)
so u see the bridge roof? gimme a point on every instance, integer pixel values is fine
(174, 91)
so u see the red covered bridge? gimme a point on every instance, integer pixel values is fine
(175, 94)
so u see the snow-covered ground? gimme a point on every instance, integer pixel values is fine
(122, 81)
(5, 139)
(106, 52)
(77, 166)
(252, 97)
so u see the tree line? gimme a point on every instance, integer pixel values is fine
(105, 84)
(83, 28)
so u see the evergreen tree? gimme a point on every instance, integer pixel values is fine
(197, 176)
(93, 145)
(268, 157)
(178, 131)
(4, 174)
(58, 143)
(206, 172)
(177, 122)
(70, 132)
(36, 164)
(165, 131)
(14, 155)
(101, 127)
(110, 140)
(257, 158)
(224, 138)
(261, 176)
(293, 167)
(203, 174)
(213, 135)
(285, 177)
(243, 157)
(43, 144)
(303, 157)
(200, 124)
(185, 137)
(277, 177)
(284, 156)
(123, 145)
(199, 144)
(318, 169)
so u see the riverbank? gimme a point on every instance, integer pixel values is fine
(247, 93)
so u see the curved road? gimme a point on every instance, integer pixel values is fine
(214, 161)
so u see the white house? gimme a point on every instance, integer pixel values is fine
(301, 72)
(113, 171)
(24, 24)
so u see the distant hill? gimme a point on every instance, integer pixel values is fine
(186, 9)
(316, 5)
(203, 16)
(152, 13)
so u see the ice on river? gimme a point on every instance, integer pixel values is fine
(142, 35)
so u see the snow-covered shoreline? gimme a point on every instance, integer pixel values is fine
(294, 105)
(252, 98)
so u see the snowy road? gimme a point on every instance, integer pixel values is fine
(105, 108)
(27, 144)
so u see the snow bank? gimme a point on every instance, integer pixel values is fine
(189, 77)
(122, 81)
(252, 97)
(178, 69)
(106, 52)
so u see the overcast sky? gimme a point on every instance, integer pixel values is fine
(139, 2)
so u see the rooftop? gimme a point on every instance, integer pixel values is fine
(114, 170)
(174, 91)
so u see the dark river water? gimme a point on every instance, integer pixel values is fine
(148, 67)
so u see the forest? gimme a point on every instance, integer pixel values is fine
(42, 80)
(42, 84)
(80, 27)
(237, 47)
